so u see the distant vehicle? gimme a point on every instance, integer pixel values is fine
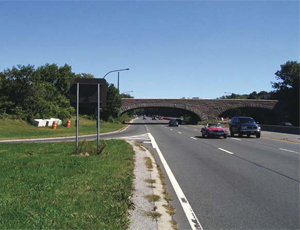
(285, 123)
(179, 121)
(244, 125)
(153, 117)
(160, 118)
(214, 130)
(173, 122)
(144, 117)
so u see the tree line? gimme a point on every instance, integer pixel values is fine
(27, 93)
(285, 89)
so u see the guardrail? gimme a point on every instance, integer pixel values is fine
(281, 129)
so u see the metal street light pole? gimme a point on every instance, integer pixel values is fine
(117, 70)
(119, 82)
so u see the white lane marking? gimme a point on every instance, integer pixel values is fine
(191, 216)
(146, 128)
(179, 132)
(195, 129)
(142, 135)
(147, 142)
(287, 150)
(138, 139)
(225, 151)
(194, 138)
(236, 139)
(171, 129)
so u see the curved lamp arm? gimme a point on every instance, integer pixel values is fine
(118, 70)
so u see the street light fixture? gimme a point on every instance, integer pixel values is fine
(117, 70)
(127, 92)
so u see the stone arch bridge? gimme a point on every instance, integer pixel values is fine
(205, 108)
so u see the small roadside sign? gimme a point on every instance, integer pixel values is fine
(88, 91)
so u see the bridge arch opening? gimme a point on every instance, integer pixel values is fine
(262, 115)
(188, 116)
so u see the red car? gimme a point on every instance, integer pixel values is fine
(160, 118)
(214, 130)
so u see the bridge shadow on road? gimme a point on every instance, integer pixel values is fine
(243, 137)
(145, 123)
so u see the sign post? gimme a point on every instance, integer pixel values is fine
(98, 119)
(91, 92)
(77, 116)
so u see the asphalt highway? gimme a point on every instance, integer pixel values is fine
(233, 183)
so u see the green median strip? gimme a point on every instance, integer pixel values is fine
(45, 186)
(18, 129)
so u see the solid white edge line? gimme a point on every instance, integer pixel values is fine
(225, 151)
(191, 216)
(287, 150)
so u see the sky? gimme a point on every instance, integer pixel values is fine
(173, 49)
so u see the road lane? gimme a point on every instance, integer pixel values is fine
(277, 157)
(228, 191)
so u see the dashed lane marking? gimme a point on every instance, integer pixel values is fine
(194, 138)
(287, 150)
(235, 139)
(171, 129)
(179, 132)
(224, 150)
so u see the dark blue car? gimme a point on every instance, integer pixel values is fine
(244, 126)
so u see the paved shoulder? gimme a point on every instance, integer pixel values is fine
(147, 215)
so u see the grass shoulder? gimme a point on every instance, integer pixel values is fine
(18, 129)
(44, 185)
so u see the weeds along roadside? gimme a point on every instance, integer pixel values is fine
(47, 186)
(150, 164)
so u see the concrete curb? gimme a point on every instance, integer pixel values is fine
(139, 217)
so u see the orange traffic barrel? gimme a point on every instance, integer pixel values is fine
(68, 123)
(54, 125)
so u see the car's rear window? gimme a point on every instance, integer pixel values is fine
(247, 120)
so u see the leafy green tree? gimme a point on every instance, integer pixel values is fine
(287, 88)
(125, 95)
(113, 104)
(253, 95)
(36, 93)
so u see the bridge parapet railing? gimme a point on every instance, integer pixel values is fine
(281, 129)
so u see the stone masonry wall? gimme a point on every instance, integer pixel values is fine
(204, 108)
